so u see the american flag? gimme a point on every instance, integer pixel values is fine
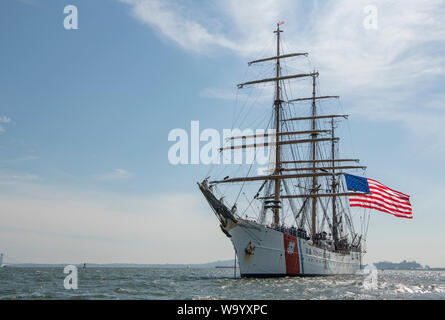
(378, 197)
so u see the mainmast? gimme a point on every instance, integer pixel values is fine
(276, 207)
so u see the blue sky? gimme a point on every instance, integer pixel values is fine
(85, 115)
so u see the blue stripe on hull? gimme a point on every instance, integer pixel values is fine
(301, 257)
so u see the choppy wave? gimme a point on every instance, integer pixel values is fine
(146, 283)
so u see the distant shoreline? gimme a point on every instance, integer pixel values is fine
(402, 266)
(169, 266)
(224, 264)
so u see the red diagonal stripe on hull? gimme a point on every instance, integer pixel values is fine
(291, 254)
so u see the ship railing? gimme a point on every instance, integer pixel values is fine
(299, 233)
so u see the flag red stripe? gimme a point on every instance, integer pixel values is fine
(379, 209)
(382, 185)
(379, 201)
(389, 198)
(378, 183)
(385, 198)
(384, 192)
(389, 192)
(371, 206)
(384, 205)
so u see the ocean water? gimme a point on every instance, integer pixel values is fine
(166, 283)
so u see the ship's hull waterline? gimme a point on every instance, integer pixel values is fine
(265, 252)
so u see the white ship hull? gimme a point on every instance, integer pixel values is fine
(265, 252)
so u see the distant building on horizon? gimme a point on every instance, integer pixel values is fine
(404, 265)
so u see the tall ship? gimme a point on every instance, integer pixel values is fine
(303, 224)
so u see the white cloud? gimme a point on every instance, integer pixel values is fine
(5, 119)
(386, 74)
(115, 174)
(27, 177)
(22, 158)
(246, 24)
(29, 2)
(261, 94)
(404, 48)
(217, 93)
(55, 224)
(334, 35)
(172, 23)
